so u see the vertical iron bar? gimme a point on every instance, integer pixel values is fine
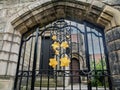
(48, 69)
(29, 63)
(78, 47)
(87, 53)
(18, 65)
(41, 61)
(48, 76)
(101, 60)
(64, 67)
(63, 78)
(93, 52)
(55, 71)
(71, 76)
(42, 58)
(22, 66)
(107, 63)
(34, 60)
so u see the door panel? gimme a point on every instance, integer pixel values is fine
(74, 67)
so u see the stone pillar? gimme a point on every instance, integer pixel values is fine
(9, 57)
(113, 45)
(110, 19)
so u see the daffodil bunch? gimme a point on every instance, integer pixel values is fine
(54, 37)
(53, 62)
(55, 45)
(65, 61)
(64, 44)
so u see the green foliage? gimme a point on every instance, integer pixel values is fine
(98, 78)
(100, 65)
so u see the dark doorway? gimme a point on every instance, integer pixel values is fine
(74, 67)
(46, 54)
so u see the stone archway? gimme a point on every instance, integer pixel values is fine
(42, 13)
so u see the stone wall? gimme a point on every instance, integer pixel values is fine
(113, 1)
(113, 40)
(6, 84)
(9, 38)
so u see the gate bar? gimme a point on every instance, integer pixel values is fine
(29, 63)
(18, 64)
(23, 60)
(87, 53)
(34, 61)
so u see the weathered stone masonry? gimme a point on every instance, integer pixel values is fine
(111, 19)
(42, 13)
(113, 41)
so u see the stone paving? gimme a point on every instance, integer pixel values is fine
(75, 87)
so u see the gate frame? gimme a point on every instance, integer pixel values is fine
(35, 54)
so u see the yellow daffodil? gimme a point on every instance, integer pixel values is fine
(55, 45)
(56, 52)
(68, 36)
(64, 44)
(53, 62)
(65, 61)
(54, 37)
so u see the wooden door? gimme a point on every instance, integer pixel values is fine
(74, 67)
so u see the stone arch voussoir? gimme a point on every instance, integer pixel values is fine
(45, 11)
(42, 13)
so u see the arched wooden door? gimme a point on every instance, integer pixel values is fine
(74, 67)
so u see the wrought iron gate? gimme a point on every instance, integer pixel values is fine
(63, 55)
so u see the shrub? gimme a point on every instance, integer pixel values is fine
(98, 73)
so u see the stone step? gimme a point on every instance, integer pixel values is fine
(69, 88)
(75, 87)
